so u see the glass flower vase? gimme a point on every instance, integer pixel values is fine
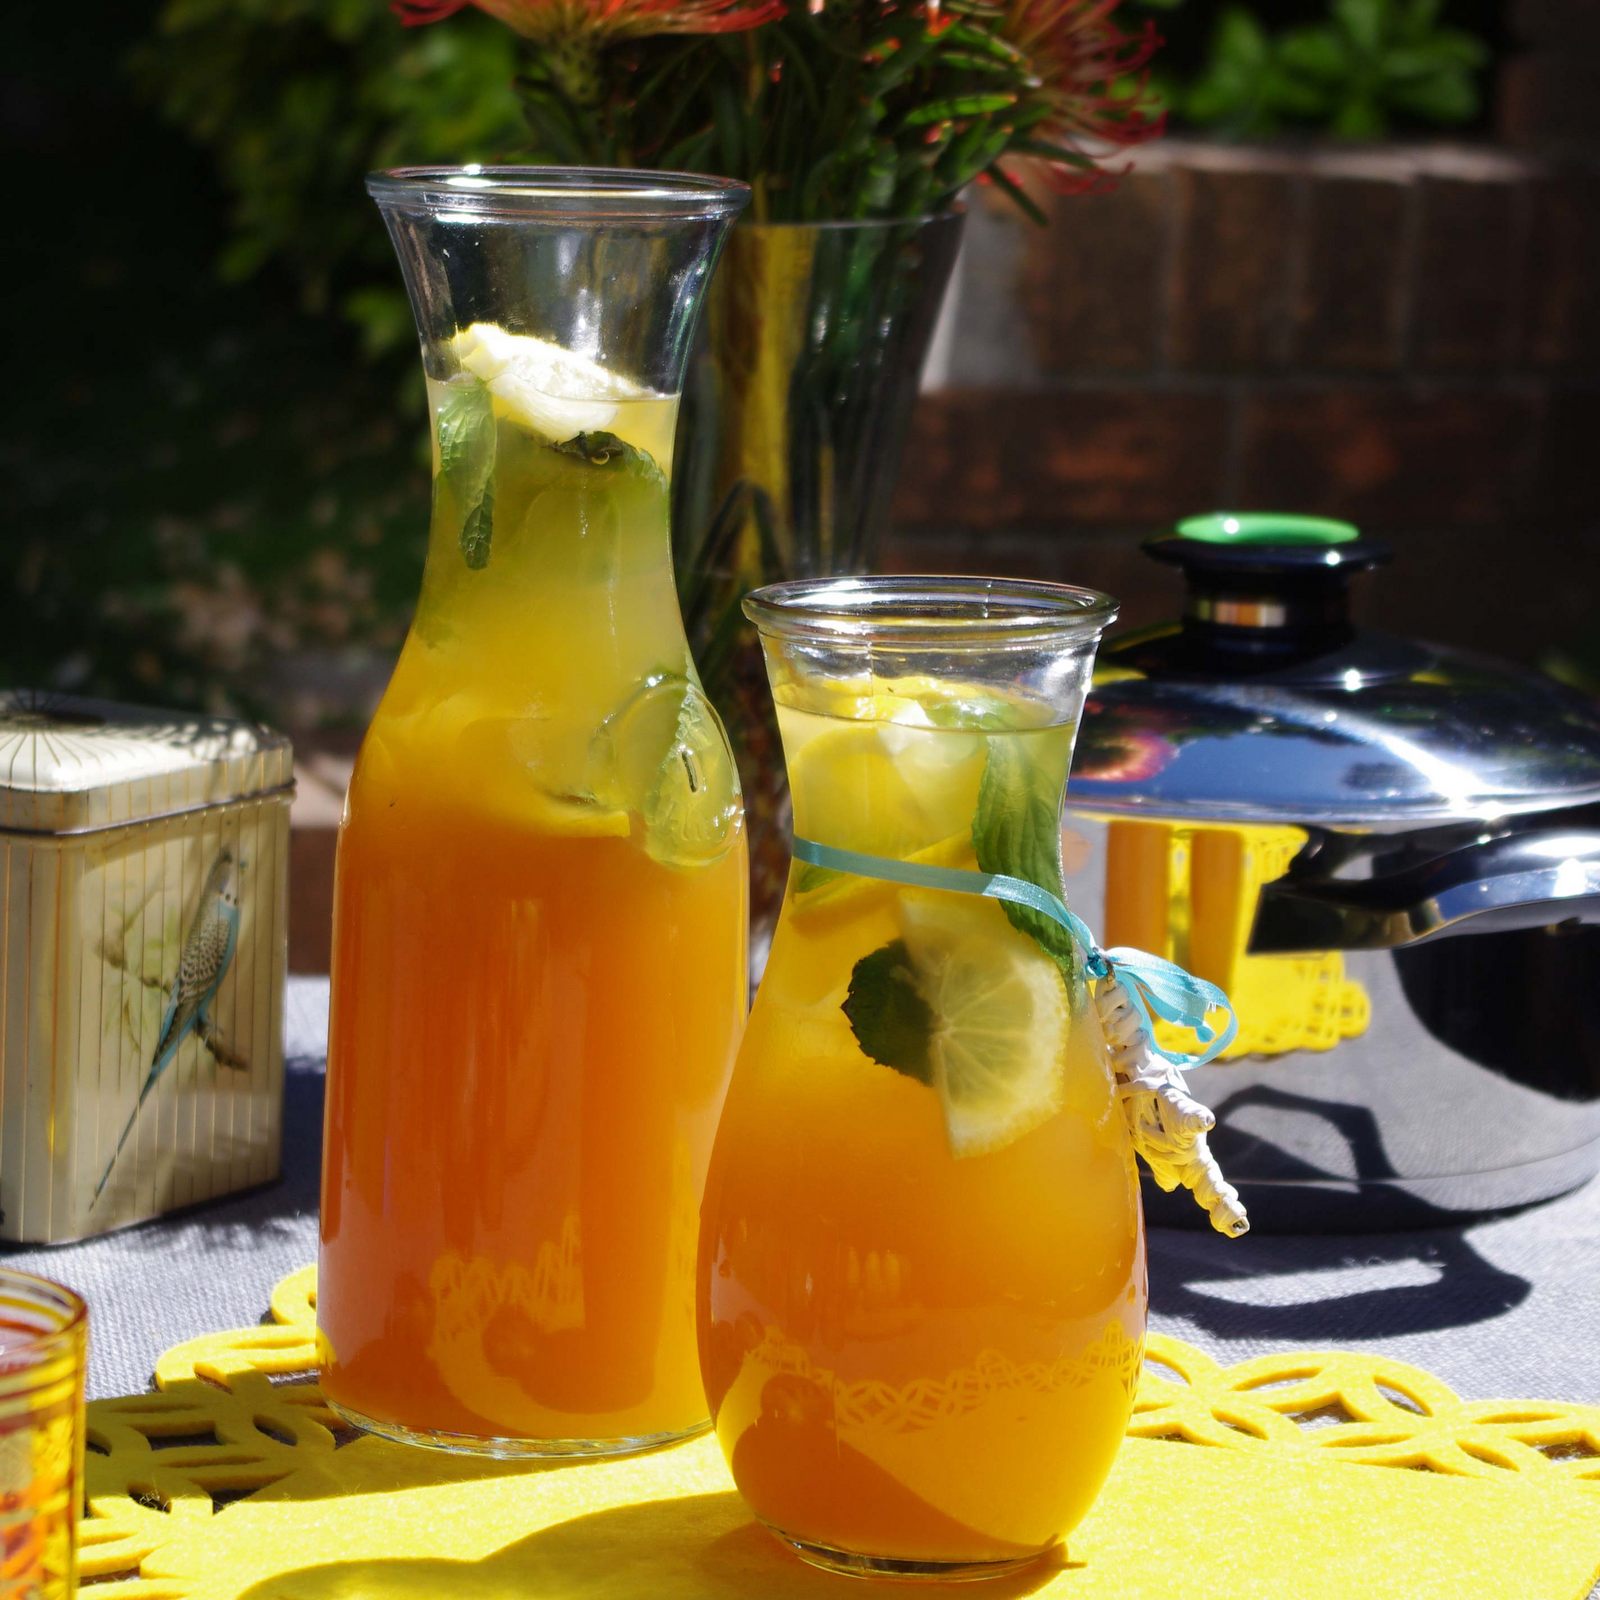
(922, 1279)
(799, 396)
(539, 968)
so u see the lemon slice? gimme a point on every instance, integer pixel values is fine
(541, 386)
(884, 788)
(824, 898)
(570, 817)
(1001, 1020)
(918, 701)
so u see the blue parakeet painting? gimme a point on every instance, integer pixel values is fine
(204, 961)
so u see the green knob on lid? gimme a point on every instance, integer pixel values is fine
(1266, 528)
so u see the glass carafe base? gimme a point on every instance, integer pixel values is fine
(851, 1564)
(508, 1449)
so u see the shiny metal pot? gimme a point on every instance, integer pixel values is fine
(1387, 852)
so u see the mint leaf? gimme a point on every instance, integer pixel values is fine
(466, 463)
(971, 714)
(477, 529)
(1017, 832)
(602, 449)
(890, 1019)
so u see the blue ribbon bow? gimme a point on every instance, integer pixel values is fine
(1152, 983)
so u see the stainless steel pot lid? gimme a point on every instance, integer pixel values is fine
(1263, 703)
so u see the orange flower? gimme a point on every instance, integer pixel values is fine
(550, 21)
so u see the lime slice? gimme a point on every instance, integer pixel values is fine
(1001, 1020)
(544, 387)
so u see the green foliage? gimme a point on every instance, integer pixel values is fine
(296, 100)
(1369, 66)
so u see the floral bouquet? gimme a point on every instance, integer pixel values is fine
(832, 110)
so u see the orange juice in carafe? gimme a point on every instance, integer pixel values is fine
(922, 1262)
(539, 957)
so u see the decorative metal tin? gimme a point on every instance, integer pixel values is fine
(143, 946)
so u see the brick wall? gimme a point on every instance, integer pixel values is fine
(1406, 336)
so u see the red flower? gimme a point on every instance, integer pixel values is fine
(1094, 75)
(550, 20)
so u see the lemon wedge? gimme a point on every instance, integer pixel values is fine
(541, 386)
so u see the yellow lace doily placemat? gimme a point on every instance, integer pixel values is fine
(1292, 1477)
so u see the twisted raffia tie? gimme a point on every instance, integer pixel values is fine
(1169, 1127)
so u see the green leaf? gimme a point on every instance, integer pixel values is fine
(1445, 97)
(971, 61)
(1062, 154)
(1239, 40)
(963, 33)
(477, 529)
(898, 65)
(892, 1022)
(1360, 117)
(1364, 21)
(606, 450)
(1232, 90)
(1286, 95)
(1319, 53)
(1454, 48)
(1018, 195)
(466, 463)
(961, 105)
(1017, 831)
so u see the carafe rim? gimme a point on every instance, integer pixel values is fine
(562, 194)
(933, 609)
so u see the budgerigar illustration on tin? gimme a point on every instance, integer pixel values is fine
(207, 953)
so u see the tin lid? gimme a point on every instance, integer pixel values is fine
(69, 765)
(1265, 704)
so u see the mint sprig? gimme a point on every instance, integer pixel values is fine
(602, 449)
(1017, 831)
(892, 1022)
(466, 463)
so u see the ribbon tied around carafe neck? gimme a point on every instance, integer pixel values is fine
(1169, 1127)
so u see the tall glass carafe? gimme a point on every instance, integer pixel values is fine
(540, 909)
(922, 1261)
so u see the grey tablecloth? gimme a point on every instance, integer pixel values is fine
(1507, 1308)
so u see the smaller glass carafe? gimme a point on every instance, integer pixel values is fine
(922, 1279)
